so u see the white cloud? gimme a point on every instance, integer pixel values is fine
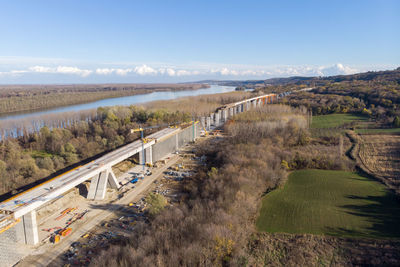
(73, 70)
(123, 72)
(104, 71)
(62, 70)
(180, 73)
(337, 69)
(41, 69)
(144, 70)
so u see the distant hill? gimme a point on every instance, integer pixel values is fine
(387, 75)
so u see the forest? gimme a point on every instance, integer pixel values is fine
(34, 156)
(373, 94)
(37, 155)
(214, 225)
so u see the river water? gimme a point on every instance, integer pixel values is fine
(121, 101)
(36, 119)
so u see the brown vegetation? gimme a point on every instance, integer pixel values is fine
(213, 225)
(379, 156)
(198, 105)
(313, 250)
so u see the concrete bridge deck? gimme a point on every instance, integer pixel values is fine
(50, 190)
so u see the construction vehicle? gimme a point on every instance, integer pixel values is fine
(134, 180)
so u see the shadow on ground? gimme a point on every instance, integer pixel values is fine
(382, 212)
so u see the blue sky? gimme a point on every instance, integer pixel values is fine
(168, 41)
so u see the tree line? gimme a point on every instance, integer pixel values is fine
(36, 155)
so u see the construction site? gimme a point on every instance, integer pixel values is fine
(71, 217)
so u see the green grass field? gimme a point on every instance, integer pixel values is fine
(331, 202)
(335, 120)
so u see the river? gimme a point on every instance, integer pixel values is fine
(36, 119)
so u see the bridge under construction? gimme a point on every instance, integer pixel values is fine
(18, 222)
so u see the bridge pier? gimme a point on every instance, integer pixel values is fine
(208, 123)
(225, 115)
(216, 120)
(98, 184)
(26, 230)
(149, 154)
(203, 122)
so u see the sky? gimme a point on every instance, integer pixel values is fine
(95, 41)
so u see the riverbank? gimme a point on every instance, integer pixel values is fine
(16, 99)
(17, 124)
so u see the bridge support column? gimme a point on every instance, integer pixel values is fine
(149, 154)
(254, 103)
(203, 122)
(142, 159)
(26, 230)
(225, 115)
(216, 120)
(212, 119)
(93, 187)
(230, 112)
(208, 123)
(98, 184)
(112, 180)
(194, 132)
(102, 186)
(220, 116)
(176, 142)
(247, 105)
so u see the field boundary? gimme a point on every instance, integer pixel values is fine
(360, 165)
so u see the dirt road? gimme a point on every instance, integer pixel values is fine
(49, 252)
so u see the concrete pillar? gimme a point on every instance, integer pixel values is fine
(112, 180)
(142, 159)
(254, 103)
(230, 112)
(28, 231)
(220, 116)
(194, 131)
(247, 105)
(208, 123)
(93, 187)
(212, 118)
(102, 186)
(176, 142)
(203, 122)
(225, 115)
(149, 154)
(216, 120)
